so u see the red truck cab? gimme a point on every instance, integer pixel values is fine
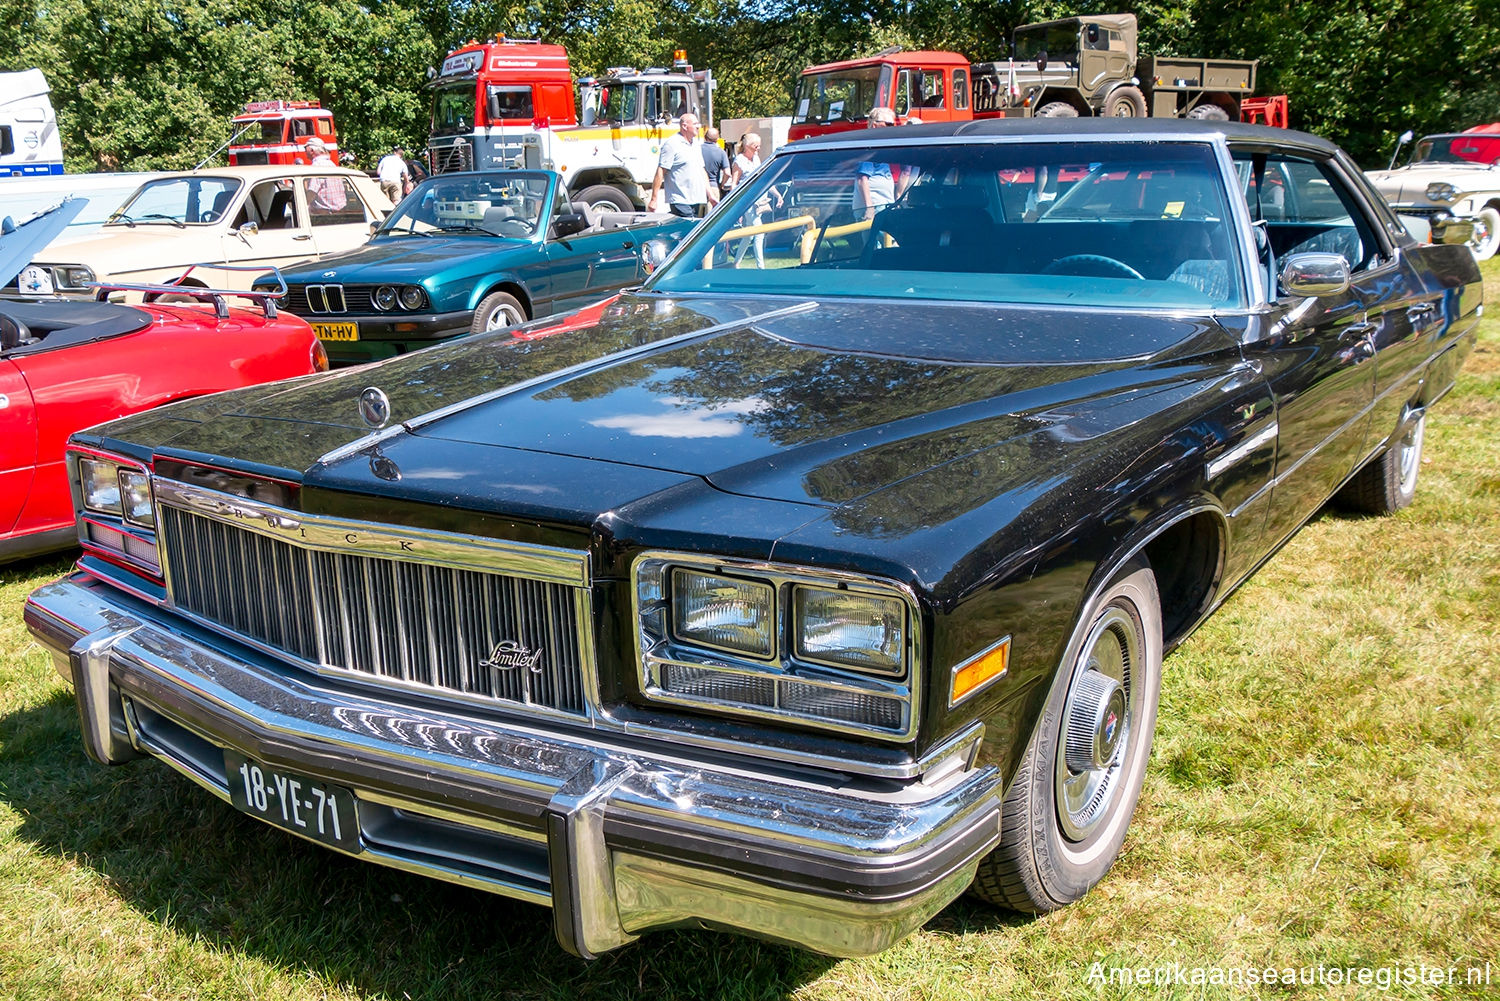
(278, 132)
(489, 94)
(837, 97)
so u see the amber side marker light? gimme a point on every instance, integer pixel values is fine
(977, 672)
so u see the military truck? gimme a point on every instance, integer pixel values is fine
(1089, 66)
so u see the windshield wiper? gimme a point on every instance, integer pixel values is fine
(125, 219)
(466, 228)
(158, 215)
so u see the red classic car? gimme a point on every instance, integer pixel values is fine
(67, 365)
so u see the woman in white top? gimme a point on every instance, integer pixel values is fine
(747, 162)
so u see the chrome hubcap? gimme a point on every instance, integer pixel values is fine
(1101, 705)
(502, 317)
(1409, 456)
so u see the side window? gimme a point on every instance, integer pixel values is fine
(274, 204)
(901, 100)
(932, 89)
(7, 141)
(510, 102)
(960, 89)
(332, 201)
(1307, 208)
(677, 101)
(301, 127)
(653, 95)
(324, 126)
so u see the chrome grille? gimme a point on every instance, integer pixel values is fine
(325, 298)
(447, 159)
(407, 623)
(309, 299)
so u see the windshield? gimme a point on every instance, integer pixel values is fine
(1058, 42)
(841, 96)
(178, 201)
(495, 203)
(1458, 149)
(1078, 223)
(453, 109)
(261, 133)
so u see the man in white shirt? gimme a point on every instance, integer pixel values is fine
(393, 174)
(680, 167)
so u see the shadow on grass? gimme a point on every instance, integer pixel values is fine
(200, 868)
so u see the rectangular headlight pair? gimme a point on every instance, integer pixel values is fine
(112, 488)
(840, 628)
(782, 643)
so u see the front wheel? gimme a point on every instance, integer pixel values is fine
(1486, 238)
(1064, 819)
(497, 311)
(1209, 113)
(1057, 109)
(1126, 102)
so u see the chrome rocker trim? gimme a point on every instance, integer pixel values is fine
(618, 841)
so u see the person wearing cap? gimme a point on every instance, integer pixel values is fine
(394, 177)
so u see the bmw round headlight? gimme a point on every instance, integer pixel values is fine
(727, 613)
(385, 297)
(1441, 191)
(412, 297)
(100, 482)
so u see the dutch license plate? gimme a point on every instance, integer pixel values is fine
(306, 806)
(336, 331)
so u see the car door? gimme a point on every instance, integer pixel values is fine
(281, 233)
(1317, 353)
(336, 216)
(590, 265)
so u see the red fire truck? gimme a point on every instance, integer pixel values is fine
(278, 131)
(488, 95)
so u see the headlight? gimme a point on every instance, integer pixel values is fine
(385, 297)
(1441, 191)
(412, 297)
(851, 630)
(135, 496)
(780, 643)
(76, 277)
(723, 612)
(101, 486)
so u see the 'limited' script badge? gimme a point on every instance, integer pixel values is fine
(509, 655)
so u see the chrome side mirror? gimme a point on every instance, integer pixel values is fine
(653, 254)
(249, 228)
(1314, 275)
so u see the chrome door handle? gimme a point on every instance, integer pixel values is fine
(1356, 330)
(303, 236)
(1421, 311)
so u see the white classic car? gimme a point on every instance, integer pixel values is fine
(1450, 178)
(272, 215)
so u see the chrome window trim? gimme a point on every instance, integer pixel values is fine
(649, 664)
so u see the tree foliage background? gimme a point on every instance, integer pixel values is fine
(142, 84)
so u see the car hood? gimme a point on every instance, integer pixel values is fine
(410, 259)
(814, 404)
(1408, 184)
(22, 239)
(121, 249)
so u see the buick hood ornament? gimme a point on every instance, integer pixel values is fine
(374, 407)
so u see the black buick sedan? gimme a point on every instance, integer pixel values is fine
(822, 578)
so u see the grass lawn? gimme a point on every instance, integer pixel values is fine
(1324, 790)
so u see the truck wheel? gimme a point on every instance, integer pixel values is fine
(1388, 482)
(1486, 238)
(1064, 819)
(603, 198)
(1057, 109)
(1126, 102)
(497, 311)
(1209, 113)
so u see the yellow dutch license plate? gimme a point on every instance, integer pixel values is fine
(336, 331)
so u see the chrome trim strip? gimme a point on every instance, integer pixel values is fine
(326, 533)
(422, 420)
(1243, 450)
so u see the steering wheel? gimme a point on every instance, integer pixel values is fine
(1092, 266)
(515, 227)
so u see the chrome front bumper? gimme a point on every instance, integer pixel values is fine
(617, 838)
